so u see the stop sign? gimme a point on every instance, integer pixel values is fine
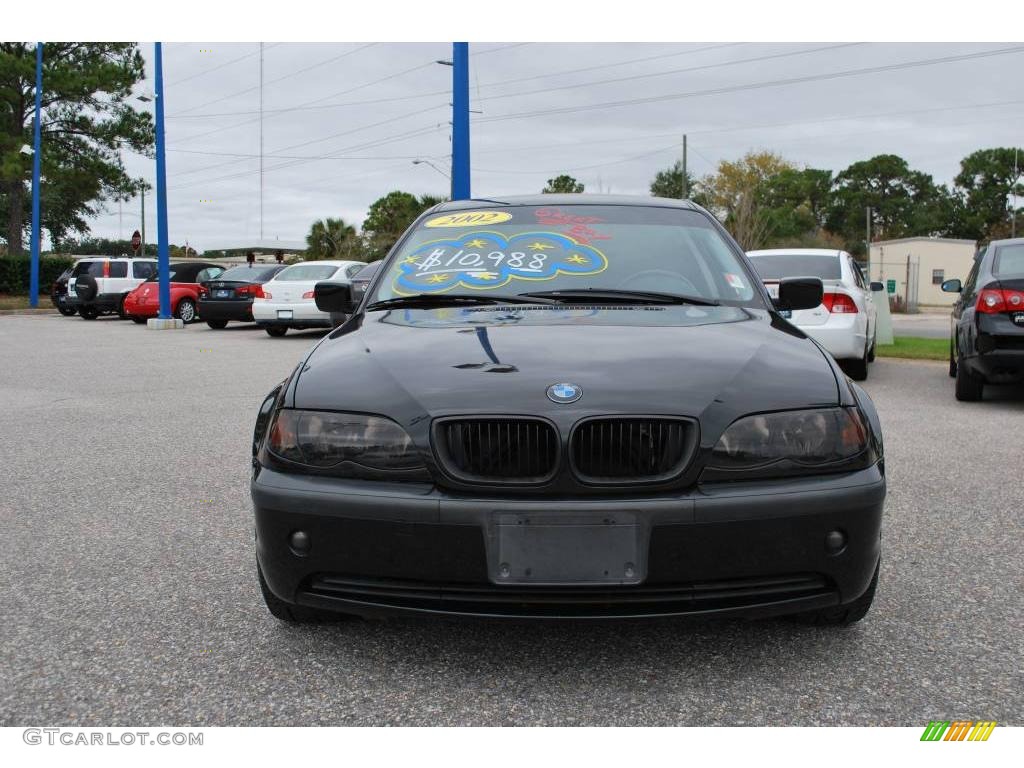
(136, 241)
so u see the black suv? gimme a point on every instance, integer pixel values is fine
(986, 343)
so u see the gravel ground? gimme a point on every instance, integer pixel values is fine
(130, 598)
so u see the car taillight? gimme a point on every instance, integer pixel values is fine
(203, 292)
(992, 301)
(256, 291)
(839, 303)
(308, 295)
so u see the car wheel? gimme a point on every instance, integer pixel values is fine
(276, 330)
(67, 311)
(88, 313)
(847, 614)
(217, 325)
(120, 308)
(186, 311)
(138, 320)
(969, 386)
(857, 369)
(871, 352)
(295, 614)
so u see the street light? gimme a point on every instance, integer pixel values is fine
(419, 161)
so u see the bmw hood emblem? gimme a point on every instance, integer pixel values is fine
(564, 393)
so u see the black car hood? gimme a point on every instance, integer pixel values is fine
(710, 363)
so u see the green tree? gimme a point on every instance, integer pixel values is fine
(904, 202)
(669, 182)
(983, 187)
(564, 184)
(333, 239)
(794, 202)
(389, 217)
(87, 120)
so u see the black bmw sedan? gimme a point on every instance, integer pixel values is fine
(568, 407)
(987, 340)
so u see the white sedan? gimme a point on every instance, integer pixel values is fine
(287, 300)
(844, 322)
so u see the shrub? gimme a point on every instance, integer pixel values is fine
(15, 272)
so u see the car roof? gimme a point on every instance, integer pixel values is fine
(327, 262)
(561, 200)
(1007, 241)
(797, 252)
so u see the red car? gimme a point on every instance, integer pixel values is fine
(144, 301)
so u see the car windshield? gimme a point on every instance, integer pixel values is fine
(156, 277)
(1009, 261)
(306, 272)
(248, 274)
(775, 266)
(94, 268)
(524, 249)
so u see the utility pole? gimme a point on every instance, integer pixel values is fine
(163, 252)
(33, 290)
(261, 141)
(686, 187)
(142, 248)
(1016, 177)
(460, 122)
(867, 239)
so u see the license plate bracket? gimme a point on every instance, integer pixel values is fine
(222, 294)
(284, 314)
(566, 549)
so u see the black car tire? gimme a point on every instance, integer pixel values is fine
(217, 325)
(67, 311)
(952, 362)
(857, 369)
(86, 288)
(120, 308)
(186, 311)
(88, 313)
(295, 614)
(871, 352)
(847, 614)
(276, 330)
(138, 320)
(969, 386)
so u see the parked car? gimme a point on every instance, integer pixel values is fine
(99, 284)
(568, 406)
(360, 281)
(287, 300)
(986, 344)
(59, 294)
(844, 322)
(185, 277)
(230, 296)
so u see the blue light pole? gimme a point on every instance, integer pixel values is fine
(460, 121)
(163, 252)
(33, 283)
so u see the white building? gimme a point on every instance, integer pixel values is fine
(913, 268)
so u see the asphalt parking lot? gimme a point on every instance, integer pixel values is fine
(130, 595)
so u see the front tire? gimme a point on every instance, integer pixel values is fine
(857, 369)
(88, 313)
(276, 330)
(120, 308)
(294, 614)
(217, 325)
(844, 615)
(67, 311)
(969, 386)
(138, 320)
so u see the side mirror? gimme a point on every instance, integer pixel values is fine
(952, 286)
(877, 286)
(799, 293)
(335, 298)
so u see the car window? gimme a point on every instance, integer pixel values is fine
(306, 272)
(118, 269)
(94, 268)
(155, 278)
(354, 270)
(249, 274)
(858, 276)
(1009, 261)
(141, 270)
(208, 274)
(968, 286)
(775, 266)
(541, 248)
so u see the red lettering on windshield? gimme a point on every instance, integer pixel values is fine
(575, 226)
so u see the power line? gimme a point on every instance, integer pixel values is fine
(752, 86)
(218, 67)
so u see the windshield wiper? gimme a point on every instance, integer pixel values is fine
(615, 294)
(449, 299)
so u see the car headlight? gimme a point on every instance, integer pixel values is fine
(345, 445)
(792, 443)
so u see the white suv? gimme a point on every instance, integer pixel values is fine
(98, 284)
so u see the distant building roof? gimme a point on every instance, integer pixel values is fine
(266, 246)
(924, 240)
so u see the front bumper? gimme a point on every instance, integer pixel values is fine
(734, 549)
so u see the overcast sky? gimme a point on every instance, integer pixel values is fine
(343, 122)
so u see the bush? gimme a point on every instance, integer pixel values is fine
(15, 272)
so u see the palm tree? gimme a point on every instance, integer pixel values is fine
(333, 239)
